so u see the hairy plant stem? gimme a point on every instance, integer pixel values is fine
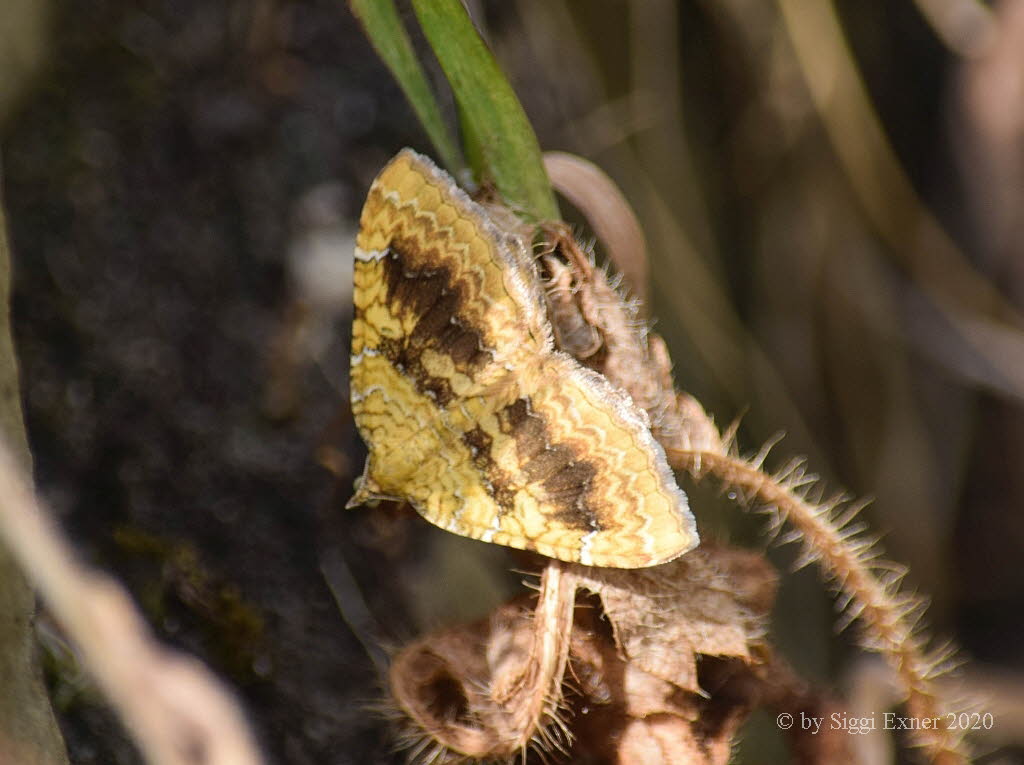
(869, 587)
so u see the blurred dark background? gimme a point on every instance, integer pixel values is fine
(833, 195)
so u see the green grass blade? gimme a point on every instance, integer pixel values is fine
(384, 28)
(502, 146)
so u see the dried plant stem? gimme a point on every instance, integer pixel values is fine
(176, 711)
(608, 213)
(28, 728)
(511, 691)
(869, 588)
(531, 691)
(883, 188)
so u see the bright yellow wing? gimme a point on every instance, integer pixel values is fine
(468, 412)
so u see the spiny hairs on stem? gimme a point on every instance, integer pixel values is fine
(868, 587)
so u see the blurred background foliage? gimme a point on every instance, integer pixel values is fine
(833, 196)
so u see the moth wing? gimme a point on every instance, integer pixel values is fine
(469, 413)
(439, 281)
(445, 309)
(576, 474)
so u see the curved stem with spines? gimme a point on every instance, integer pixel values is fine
(869, 588)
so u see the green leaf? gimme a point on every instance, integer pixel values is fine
(384, 28)
(500, 141)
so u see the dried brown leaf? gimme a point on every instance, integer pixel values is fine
(439, 683)
(685, 660)
(667, 740)
(712, 601)
(492, 688)
(783, 691)
(626, 715)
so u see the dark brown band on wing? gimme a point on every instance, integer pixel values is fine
(433, 300)
(430, 295)
(565, 477)
(498, 482)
